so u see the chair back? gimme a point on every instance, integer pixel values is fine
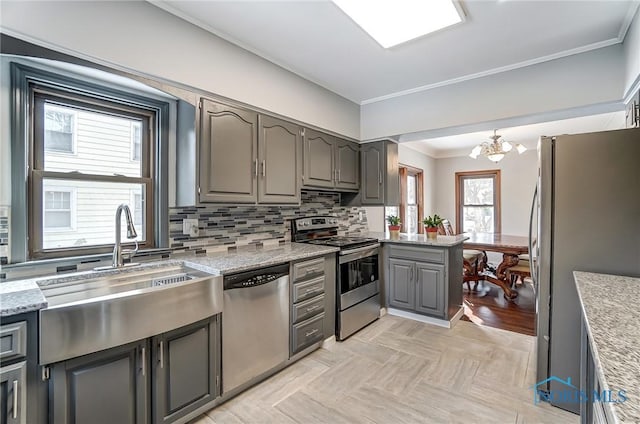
(445, 228)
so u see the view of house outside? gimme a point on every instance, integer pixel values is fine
(82, 213)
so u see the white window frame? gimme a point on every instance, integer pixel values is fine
(74, 134)
(73, 210)
(133, 144)
(132, 202)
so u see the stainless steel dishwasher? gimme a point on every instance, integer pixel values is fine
(255, 324)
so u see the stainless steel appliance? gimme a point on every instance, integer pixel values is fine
(357, 274)
(255, 324)
(585, 216)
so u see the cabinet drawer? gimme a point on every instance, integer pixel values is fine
(306, 269)
(308, 289)
(308, 308)
(424, 254)
(307, 332)
(13, 340)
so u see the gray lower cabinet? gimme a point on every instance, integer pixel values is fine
(186, 374)
(159, 380)
(307, 308)
(402, 292)
(247, 158)
(106, 387)
(13, 387)
(330, 162)
(426, 280)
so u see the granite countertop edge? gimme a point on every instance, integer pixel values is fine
(620, 412)
(22, 296)
(419, 239)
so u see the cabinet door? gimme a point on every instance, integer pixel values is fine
(186, 365)
(228, 154)
(280, 161)
(401, 286)
(372, 155)
(13, 390)
(430, 288)
(107, 387)
(318, 159)
(347, 164)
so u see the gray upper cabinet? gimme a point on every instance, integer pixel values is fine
(319, 169)
(330, 162)
(379, 173)
(280, 161)
(106, 387)
(247, 158)
(347, 164)
(186, 370)
(228, 154)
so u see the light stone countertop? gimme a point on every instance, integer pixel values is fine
(252, 258)
(22, 296)
(610, 307)
(420, 239)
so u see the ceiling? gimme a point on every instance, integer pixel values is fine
(316, 40)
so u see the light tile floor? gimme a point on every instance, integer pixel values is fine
(402, 371)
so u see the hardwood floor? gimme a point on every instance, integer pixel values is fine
(402, 371)
(488, 307)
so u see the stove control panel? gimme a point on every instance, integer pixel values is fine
(316, 223)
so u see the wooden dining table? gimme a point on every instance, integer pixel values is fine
(509, 246)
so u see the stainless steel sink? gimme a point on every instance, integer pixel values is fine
(96, 311)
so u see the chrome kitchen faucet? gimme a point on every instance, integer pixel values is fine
(118, 253)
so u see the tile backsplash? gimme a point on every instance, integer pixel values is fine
(4, 234)
(222, 226)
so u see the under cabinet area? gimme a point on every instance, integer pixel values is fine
(330, 162)
(159, 379)
(424, 280)
(246, 157)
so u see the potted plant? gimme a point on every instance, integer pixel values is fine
(431, 225)
(394, 225)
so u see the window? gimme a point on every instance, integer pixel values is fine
(59, 129)
(99, 177)
(57, 210)
(136, 140)
(411, 199)
(478, 201)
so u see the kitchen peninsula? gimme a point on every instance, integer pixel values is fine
(423, 277)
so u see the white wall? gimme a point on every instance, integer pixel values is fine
(517, 179)
(136, 36)
(585, 79)
(631, 47)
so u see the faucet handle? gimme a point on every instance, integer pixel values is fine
(128, 253)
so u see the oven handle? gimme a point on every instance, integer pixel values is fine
(360, 249)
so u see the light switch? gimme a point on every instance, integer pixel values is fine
(190, 227)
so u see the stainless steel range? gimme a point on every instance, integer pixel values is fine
(357, 273)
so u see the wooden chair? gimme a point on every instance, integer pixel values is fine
(519, 271)
(473, 261)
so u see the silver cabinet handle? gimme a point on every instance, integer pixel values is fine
(255, 167)
(380, 177)
(144, 361)
(15, 399)
(311, 333)
(264, 168)
(338, 175)
(313, 308)
(161, 353)
(311, 290)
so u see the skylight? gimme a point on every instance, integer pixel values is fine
(392, 22)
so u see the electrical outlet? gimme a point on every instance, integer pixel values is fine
(190, 227)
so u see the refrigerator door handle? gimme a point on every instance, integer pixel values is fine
(534, 277)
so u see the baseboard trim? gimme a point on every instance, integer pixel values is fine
(426, 319)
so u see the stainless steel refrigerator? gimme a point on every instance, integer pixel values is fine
(585, 216)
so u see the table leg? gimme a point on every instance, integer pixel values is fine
(508, 260)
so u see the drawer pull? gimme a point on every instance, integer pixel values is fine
(313, 308)
(311, 333)
(15, 399)
(311, 290)
(311, 270)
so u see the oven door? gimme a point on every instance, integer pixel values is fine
(358, 275)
